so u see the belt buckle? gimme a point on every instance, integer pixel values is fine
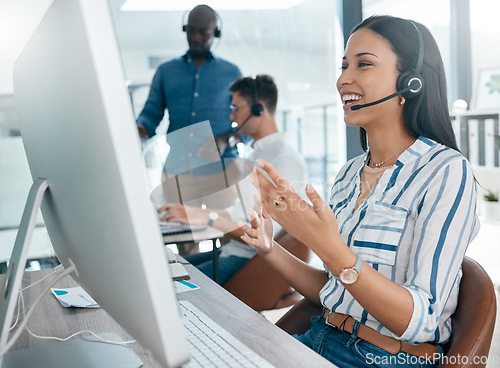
(327, 320)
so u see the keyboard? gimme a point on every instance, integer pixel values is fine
(172, 228)
(212, 346)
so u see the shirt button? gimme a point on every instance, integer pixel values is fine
(191, 134)
(190, 154)
(197, 76)
(193, 114)
(196, 94)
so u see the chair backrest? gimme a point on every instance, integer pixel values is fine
(258, 285)
(297, 319)
(472, 323)
(474, 320)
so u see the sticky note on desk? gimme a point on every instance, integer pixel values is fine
(74, 297)
(183, 285)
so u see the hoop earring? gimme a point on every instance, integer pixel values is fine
(402, 100)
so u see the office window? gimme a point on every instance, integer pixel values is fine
(485, 36)
(298, 46)
(434, 14)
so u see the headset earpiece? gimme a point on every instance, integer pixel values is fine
(218, 27)
(257, 109)
(413, 78)
(407, 79)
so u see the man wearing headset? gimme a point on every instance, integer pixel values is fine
(253, 108)
(193, 88)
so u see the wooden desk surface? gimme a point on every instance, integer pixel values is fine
(275, 345)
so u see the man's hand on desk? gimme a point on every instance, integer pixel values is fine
(185, 214)
(198, 216)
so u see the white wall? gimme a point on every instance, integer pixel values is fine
(18, 20)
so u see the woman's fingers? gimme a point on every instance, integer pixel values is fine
(252, 241)
(318, 204)
(254, 218)
(265, 214)
(247, 229)
(262, 183)
(257, 198)
(254, 179)
(279, 181)
(251, 234)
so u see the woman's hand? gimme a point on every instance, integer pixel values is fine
(314, 225)
(260, 234)
(185, 214)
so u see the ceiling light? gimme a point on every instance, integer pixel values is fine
(155, 5)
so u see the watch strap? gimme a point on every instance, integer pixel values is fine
(359, 262)
(212, 217)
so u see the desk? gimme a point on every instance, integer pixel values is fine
(208, 234)
(248, 326)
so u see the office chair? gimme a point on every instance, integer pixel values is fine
(262, 288)
(474, 320)
(472, 323)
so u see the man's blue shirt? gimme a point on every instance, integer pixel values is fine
(191, 96)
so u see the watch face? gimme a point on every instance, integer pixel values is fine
(213, 216)
(348, 276)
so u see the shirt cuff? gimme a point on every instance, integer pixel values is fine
(416, 325)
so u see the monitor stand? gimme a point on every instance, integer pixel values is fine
(87, 352)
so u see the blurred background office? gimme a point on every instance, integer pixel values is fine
(300, 43)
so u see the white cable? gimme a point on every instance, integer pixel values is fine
(20, 295)
(73, 335)
(78, 333)
(19, 330)
(43, 278)
(26, 316)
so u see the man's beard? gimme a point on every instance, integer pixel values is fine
(201, 52)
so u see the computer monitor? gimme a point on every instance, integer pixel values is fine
(79, 134)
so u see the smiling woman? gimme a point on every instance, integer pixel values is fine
(400, 217)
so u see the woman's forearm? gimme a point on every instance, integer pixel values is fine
(304, 278)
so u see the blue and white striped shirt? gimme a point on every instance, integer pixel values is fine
(414, 228)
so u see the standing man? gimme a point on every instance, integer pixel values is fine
(193, 88)
(254, 107)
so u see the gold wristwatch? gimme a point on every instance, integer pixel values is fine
(350, 275)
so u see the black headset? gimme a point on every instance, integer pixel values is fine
(218, 27)
(414, 76)
(256, 109)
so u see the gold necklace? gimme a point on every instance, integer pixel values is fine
(379, 164)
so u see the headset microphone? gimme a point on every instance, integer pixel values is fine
(244, 122)
(412, 86)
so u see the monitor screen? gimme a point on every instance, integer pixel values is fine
(79, 134)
